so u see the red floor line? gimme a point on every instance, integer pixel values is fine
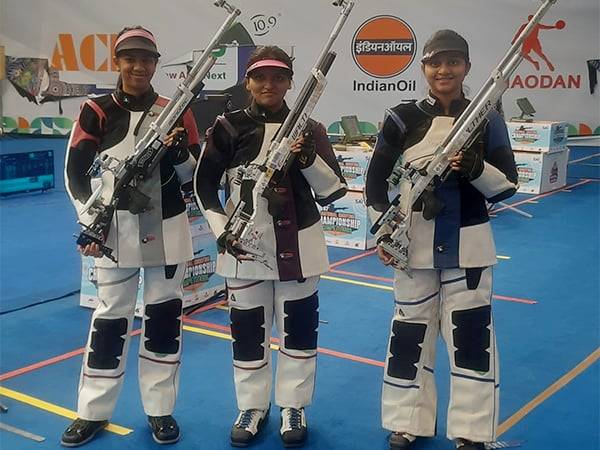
(537, 197)
(353, 258)
(49, 362)
(514, 299)
(79, 351)
(325, 351)
(390, 280)
(208, 307)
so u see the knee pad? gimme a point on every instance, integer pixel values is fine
(248, 333)
(301, 323)
(170, 271)
(162, 327)
(405, 349)
(473, 277)
(107, 343)
(472, 338)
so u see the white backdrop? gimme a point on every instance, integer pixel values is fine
(80, 32)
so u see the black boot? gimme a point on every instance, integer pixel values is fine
(81, 432)
(247, 426)
(400, 441)
(464, 444)
(293, 429)
(164, 429)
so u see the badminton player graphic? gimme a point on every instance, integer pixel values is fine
(532, 43)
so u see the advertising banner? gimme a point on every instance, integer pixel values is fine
(58, 51)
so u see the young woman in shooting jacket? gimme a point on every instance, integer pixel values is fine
(284, 285)
(158, 240)
(450, 258)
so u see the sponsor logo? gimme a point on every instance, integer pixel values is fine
(384, 46)
(262, 24)
(525, 134)
(198, 272)
(534, 53)
(554, 173)
(93, 52)
(337, 222)
(525, 174)
(560, 134)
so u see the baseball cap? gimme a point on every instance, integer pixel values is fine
(137, 39)
(445, 41)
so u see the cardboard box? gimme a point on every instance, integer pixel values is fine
(538, 136)
(541, 172)
(200, 281)
(354, 160)
(346, 223)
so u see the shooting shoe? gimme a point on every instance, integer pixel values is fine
(247, 426)
(400, 441)
(81, 431)
(164, 429)
(464, 444)
(293, 427)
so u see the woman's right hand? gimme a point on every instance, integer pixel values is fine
(92, 249)
(384, 256)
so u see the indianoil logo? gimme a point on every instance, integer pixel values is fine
(384, 46)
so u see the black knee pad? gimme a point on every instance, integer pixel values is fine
(170, 271)
(248, 333)
(301, 323)
(472, 338)
(473, 276)
(405, 349)
(162, 324)
(107, 343)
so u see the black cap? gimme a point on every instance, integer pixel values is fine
(445, 41)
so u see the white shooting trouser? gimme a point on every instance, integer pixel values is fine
(108, 342)
(458, 301)
(295, 307)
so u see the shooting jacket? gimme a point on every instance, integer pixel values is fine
(111, 125)
(292, 235)
(460, 235)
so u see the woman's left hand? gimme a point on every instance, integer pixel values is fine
(304, 148)
(468, 163)
(176, 137)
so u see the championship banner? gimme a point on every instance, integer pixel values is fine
(200, 282)
(58, 52)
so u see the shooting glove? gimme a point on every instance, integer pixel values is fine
(384, 238)
(226, 243)
(471, 165)
(308, 152)
(178, 151)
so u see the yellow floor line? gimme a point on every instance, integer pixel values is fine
(551, 390)
(359, 283)
(216, 334)
(55, 409)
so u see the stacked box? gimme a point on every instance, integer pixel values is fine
(346, 223)
(543, 137)
(200, 281)
(541, 172)
(541, 155)
(354, 160)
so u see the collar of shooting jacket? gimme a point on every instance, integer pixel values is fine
(432, 106)
(261, 114)
(136, 103)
